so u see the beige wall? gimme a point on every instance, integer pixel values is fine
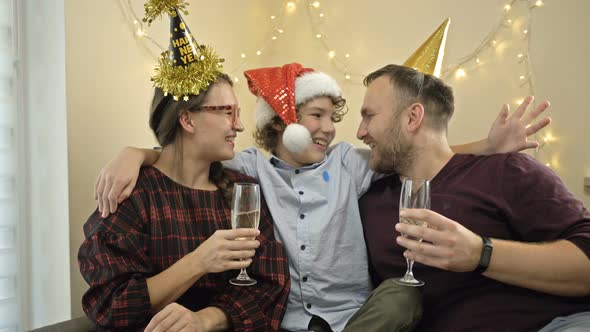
(108, 88)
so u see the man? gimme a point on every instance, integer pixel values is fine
(507, 245)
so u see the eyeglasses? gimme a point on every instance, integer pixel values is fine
(235, 111)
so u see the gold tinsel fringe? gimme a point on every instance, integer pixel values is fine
(156, 8)
(182, 81)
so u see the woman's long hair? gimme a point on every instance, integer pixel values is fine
(164, 117)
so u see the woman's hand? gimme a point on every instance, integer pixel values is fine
(230, 249)
(176, 318)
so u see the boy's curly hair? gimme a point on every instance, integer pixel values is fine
(268, 137)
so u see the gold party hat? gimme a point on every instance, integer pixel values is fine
(429, 56)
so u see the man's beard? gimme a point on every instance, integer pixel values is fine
(394, 155)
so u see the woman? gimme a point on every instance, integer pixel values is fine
(169, 248)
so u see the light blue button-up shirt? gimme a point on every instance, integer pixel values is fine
(317, 219)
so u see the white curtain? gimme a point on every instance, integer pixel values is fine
(9, 315)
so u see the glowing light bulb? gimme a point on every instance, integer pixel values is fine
(347, 76)
(258, 52)
(316, 4)
(291, 6)
(347, 55)
(243, 55)
(460, 73)
(332, 54)
(549, 138)
(539, 3)
(319, 35)
(272, 17)
(507, 7)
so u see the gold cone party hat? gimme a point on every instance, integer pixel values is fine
(187, 67)
(429, 56)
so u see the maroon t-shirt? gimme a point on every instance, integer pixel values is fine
(504, 196)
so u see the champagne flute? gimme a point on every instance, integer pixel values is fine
(415, 194)
(245, 213)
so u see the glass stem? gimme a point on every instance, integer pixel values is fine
(410, 265)
(243, 275)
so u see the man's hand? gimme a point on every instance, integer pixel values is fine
(510, 132)
(175, 318)
(223, 251)
(450, 246)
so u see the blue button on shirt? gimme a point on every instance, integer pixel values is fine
(317, 219)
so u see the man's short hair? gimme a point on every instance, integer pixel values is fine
(412, 86)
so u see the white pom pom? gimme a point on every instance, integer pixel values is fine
(296, 138)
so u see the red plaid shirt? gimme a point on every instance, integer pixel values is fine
(150, 232)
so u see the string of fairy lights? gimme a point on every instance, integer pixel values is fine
(341, 58)
(492, 41)
(277, 26)
(512, 22)
(138, 28)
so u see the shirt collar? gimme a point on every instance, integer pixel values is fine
(278, 163)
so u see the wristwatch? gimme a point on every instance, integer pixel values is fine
(486, 255)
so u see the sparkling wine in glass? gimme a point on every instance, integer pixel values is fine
(245, 213)
(415, 194)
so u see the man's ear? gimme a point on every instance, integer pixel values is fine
(415, 116)
(186, 122)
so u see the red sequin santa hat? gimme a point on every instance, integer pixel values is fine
(280, 90)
